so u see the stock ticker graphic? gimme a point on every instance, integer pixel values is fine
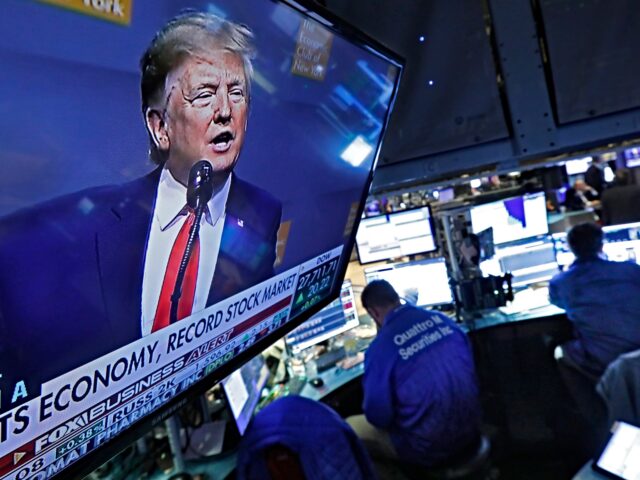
(314, 285)
(94, 405)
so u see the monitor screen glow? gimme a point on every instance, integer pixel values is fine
(243, 388)
(578, 166)
(513, 218)
(337, 317)
(397, 234)
(424, 283)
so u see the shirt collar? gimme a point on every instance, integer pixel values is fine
(171, 201)
(394, 313)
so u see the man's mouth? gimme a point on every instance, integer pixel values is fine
(222, 142)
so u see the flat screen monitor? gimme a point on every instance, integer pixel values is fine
(512, 219)
(286, 107)
(446, 195)
(424, 283)
(242, 390)
(578, 166)
(337, 317)
(530, 262)
(621, 243)
(394, 235)
(632, 157)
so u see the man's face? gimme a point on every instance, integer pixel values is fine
(206, 112)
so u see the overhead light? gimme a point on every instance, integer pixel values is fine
(421, 38)
(357, 151)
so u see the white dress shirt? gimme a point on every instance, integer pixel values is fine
(169, 215)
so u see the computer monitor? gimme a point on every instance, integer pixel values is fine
(621, 243)
(424, 283)
(242, 390)
(578, 166)
(529, 263)
(512, 219)
(337, 317)
(564, 255)
(407, 232)
(632, 157)
(446, 194)
(86, 365)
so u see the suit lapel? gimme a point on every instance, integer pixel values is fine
(120, 246)
(227, 279)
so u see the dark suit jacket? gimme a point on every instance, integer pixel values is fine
(71, 272)
(621, 205)
(594, 177)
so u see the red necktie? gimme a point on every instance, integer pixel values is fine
(185, 304)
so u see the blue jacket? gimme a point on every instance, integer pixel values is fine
(602, 300)
(420, 385)
(326, 446)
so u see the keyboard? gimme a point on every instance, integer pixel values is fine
(329, 359)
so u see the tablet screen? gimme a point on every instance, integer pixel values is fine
(621, 456)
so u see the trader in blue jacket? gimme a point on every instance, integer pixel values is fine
(421, 400)
(602, 301)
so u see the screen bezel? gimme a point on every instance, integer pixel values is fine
(96, 458)
(594, 464)
(435, 248)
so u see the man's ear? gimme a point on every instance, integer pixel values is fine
(157, 128)
(374, 312)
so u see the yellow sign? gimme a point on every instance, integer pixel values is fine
(118, 11)
(313, 47)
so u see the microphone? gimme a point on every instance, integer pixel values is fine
(200, 184)
(199, 191)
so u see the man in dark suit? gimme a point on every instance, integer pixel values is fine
(620, 202)
(85, 274)
(594, 176)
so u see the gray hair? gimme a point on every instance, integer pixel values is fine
(187, 35)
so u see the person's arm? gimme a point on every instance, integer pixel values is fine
(554, 295)
(378, 400)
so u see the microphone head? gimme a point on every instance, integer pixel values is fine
(200, 186)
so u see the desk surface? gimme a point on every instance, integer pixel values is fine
(528, 305)
(333, 379)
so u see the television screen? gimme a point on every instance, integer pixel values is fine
(337, 317)
(131, 274)
(424, 283)
(242, 390)
(513, 218)
(406, 232)
(632, 157)
(446, 195)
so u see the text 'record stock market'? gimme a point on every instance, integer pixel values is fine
(81, 410)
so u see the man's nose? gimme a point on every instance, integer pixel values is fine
(223, 112)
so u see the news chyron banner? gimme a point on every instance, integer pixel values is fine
(83, 409)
